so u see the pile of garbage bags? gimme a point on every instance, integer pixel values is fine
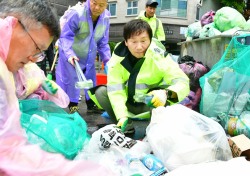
(177, 139)
(225, 21)
(176, 136)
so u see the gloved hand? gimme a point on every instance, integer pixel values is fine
(71, 60)
(49, 76)
(56, 46)
(106, 69)
(159, 97)
(122, 123)
(50, 86)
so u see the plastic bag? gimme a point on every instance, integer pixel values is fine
(28, 79)
(227, 18)
(52, 128)
(193, 69)
(209, 30)
(192, 101)
(193, 31)
(226, 88)
(179, 136)
(110, 146)
(207, 18)
(247, 26)
(235, 166)
(82, 81)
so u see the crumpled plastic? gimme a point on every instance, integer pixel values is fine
(17, 157)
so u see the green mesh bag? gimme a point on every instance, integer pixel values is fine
(226, 87)
(52, 128)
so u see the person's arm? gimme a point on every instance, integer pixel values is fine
(68, 32)
(103, 46)
(116, 89)
(160, 32)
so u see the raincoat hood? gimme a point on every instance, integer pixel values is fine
(5, 35)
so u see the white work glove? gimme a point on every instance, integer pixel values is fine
(71, 60)
(159, 97)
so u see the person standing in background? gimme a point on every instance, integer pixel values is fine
(149, 16)
(85, 32)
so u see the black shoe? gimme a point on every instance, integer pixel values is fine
(95, 110)
(73, 109)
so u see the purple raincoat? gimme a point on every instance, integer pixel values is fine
(79, 38)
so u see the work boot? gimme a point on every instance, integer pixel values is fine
(73, 109)
(92, 108)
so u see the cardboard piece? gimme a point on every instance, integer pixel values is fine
(240, 146)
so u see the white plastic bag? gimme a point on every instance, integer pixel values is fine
(235, 166)
(180, 136)
(109, 146)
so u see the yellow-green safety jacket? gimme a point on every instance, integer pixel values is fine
(155, 24)
(152, 71)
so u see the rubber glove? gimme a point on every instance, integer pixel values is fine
(122, 123)
(159, 97)
(56, 46)
(106, 69)
(71, 60)
(50, 86)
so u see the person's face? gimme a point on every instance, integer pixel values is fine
(138, 44)
(150, 11)
(25, 46)
(97, 7)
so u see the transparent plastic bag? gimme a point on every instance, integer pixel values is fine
(180, 136)
(53, 129)
(82, 81)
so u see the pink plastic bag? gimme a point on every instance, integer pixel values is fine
(207, 18)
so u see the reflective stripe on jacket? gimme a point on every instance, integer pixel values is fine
(154, 71)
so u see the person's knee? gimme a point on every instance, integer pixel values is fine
(101, 92)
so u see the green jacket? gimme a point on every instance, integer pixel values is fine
(152, 71)
(155, 24)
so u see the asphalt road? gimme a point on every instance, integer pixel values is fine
(95, 121)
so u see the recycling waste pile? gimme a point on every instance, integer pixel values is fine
(205, 134)
(177, 139)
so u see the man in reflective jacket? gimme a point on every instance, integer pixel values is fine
(138, 67)
(149, 16)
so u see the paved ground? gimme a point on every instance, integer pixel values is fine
(94, 120)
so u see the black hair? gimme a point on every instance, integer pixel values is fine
(136, 27)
